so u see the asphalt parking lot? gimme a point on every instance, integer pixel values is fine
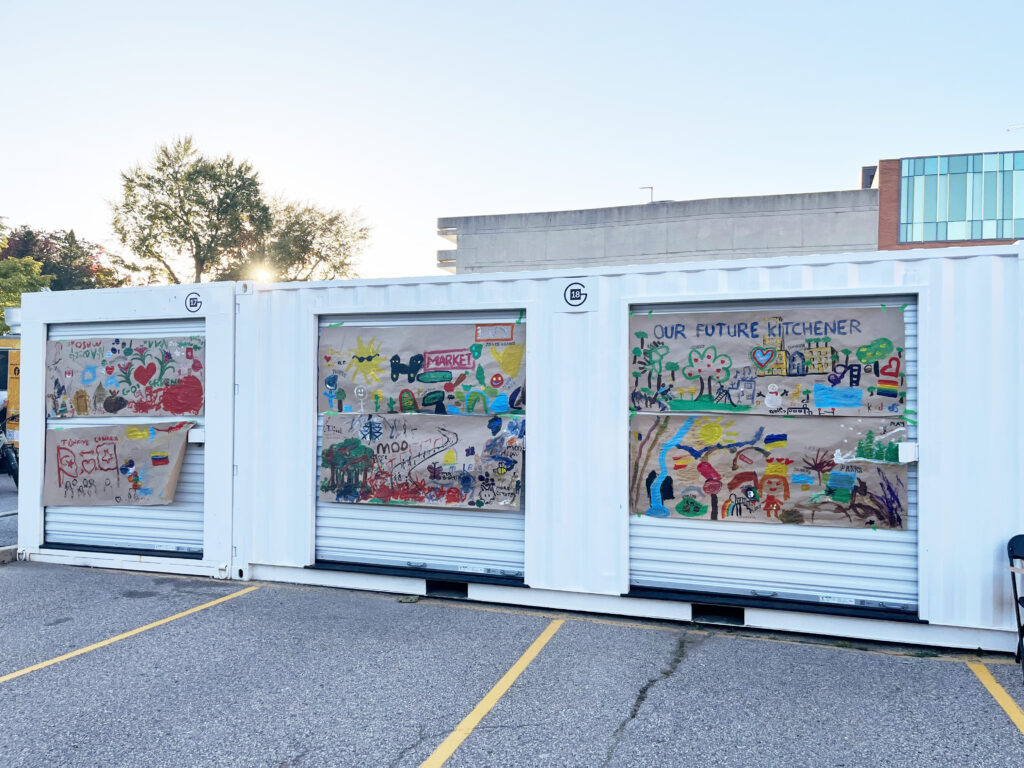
(292, 676)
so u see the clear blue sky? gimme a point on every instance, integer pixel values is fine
(414, 110)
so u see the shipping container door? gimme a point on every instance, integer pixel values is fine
(837, 566)
(481, 543)
(174, 529)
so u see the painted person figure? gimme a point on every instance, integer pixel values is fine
(331, 390)
(774, 488)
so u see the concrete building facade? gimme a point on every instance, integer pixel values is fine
(737, 227)
(931, 202)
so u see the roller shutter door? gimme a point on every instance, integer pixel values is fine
(830, 566)
(485, 543)
(171, 530)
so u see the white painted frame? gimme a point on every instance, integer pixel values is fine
(299, 549)
(917, 289)
(125, 305)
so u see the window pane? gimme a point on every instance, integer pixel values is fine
(904, 167)
(903, 233)
(919, 166)
(1007, 161)
(940, 231)
(990, 194)
(1018, 161)
(1018, 198)
(957, 195)
(992, 162)
(943, 165)
(929, 232)
(918, 201)
(931, 165)
(957, 230)
(975, 211)
(988, 230)
(1007, 195)
(970, 164)
(975, 230)
(958, 164)
(931, 184)
(1018, 227)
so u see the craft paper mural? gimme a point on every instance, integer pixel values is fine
(123, 465)
(807, 362)
(125, 377)
(436, 369)
(435, 461)
(769, 469)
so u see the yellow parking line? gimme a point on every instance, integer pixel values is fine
(1010, 707)
(124, 636)
(462, 730)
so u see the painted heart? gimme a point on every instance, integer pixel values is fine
(891, 368)
(88, 465)
(144, 373)
(327, 358)
(110, 370)
(762, 356)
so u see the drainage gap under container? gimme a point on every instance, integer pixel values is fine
(456, 589)
(718, 614)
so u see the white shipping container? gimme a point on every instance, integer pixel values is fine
(575, 543)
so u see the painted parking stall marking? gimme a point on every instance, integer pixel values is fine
(1003, 699)
(462, 730)
(124, 635)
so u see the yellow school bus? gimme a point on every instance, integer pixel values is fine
(10, 381)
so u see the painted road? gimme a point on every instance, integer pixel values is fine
(177, 671)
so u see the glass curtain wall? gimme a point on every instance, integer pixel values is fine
(962, 197)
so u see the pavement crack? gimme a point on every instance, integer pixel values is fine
(678, 653)
(423, 735)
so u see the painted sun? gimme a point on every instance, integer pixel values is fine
(365, 359)
(713, 431)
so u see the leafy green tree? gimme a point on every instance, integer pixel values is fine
(72, 262)
(188, 212)
(18, 276)
(307, 242)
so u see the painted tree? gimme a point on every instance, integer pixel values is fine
(871, 354)
(707, 362)
(820, 463)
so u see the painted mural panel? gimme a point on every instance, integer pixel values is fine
(123, 465)
(424, 460)
(769, 469)
(843, 361)
(126, 377)
(435, 369)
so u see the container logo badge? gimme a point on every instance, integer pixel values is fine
(193, 303)
(575, 294)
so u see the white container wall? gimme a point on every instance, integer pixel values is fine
(576, 547)
(194, 531)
